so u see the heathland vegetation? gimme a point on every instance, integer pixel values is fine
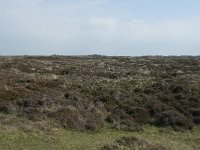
(99, 102)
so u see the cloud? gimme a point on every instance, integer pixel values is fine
(78, 27)
(172, 31)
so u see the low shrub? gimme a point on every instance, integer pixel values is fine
(174, 119)
(132, 143)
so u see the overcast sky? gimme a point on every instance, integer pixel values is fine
(109, 27)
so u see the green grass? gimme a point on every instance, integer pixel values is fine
(72, 140)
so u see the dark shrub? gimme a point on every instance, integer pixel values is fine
(196, 119)
(140, 114)
(64, 72)
(67, 95)
(79, 119)
(177, 89)
(94, 119)
(195, 111)
(156, 108)
(24, 103)
(6, 109)
(33, 114)
(138, 90)
(174, 119)
(149, 91)
(121, 120)
(10, 95)
(70, 118)
(132, 143)
(111, 147)
(179, 97)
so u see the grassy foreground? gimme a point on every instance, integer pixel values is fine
(14, 139)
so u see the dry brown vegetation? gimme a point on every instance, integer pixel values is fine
(132, 143)
(89, 92)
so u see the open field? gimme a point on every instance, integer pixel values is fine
(96, 102)
(66, 139)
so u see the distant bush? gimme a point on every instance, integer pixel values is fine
(174, 119)
(79, 120)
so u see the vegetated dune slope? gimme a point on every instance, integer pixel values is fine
(89, 92)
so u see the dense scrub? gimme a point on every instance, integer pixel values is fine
(132, 143)
(88, 92)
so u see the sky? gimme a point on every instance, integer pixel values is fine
(105, 27)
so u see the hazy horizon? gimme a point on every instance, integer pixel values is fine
(104, 27)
